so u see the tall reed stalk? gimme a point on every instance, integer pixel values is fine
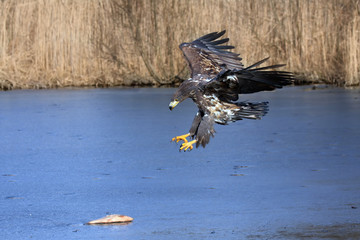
(59, 43)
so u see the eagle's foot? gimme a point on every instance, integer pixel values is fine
(181, 137)
(187, 145)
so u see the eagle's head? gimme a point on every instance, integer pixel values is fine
(186, 89)
(176, 99)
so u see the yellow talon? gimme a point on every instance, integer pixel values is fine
(182, 137)
(186, 145)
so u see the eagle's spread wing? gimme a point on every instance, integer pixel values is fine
(229, 83)
(208, 57)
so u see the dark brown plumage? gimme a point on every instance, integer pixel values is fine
(217, 78)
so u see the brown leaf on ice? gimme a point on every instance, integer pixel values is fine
(110, 219)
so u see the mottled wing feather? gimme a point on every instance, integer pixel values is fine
(228, 84)
(207, 57)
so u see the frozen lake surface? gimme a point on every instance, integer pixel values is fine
(71, 156)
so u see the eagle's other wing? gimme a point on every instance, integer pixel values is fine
(208, 57)
(229, 83)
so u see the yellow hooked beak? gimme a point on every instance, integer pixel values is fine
(173, 104)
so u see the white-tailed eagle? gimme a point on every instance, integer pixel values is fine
(217, 78)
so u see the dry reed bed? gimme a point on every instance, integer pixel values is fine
(59, 43)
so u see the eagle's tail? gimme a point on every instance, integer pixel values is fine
(251, 110)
